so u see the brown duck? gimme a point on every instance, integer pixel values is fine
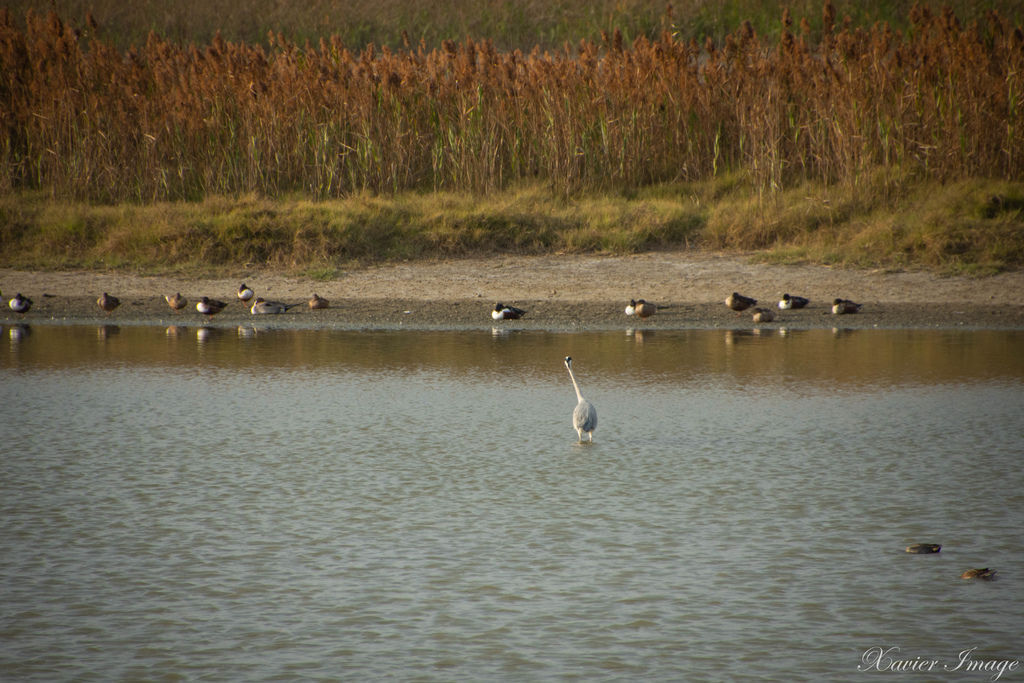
(984, 574)
(176, 302)
(738, 302)
(108, 303)
(924, 548)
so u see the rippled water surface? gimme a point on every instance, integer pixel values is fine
(261, 504)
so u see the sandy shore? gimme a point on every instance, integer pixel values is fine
(559, 292)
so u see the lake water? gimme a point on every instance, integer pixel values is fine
(248, 504)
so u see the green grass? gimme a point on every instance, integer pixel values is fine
(971, 227)
(319, 237)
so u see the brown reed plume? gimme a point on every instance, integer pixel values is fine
(81, 119)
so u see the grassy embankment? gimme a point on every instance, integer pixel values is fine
(855, 145)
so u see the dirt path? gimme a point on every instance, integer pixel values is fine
(560, 291)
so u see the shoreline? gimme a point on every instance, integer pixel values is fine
(559, 292)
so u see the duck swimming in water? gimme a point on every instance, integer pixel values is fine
(924, 548)
(503, 312)
(984, 574)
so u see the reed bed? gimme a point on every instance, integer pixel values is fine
(82, 119)
(511, 24)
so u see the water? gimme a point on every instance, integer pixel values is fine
(281, 504)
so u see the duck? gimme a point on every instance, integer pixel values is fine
(244, 293)
(503, 312)
(263, 307)
(20, 304)
(631, 307)
(843, 306)
(924, 548)
(763, 315)
(645, 309)
(108, 303)
(984, 573)
(176, 302)
(318, 302)
(738, 302)
(788, 302)
(210, 307)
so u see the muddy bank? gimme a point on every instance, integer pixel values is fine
(558, 292)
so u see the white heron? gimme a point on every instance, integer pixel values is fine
(584, 416)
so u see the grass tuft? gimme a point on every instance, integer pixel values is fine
(970, 227)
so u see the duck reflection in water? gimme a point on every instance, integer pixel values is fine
(105, 332)
(19, 333)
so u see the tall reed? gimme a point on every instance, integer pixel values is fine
(82, 119)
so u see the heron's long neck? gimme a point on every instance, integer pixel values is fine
(575, 386)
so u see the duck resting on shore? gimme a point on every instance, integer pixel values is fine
(263, 307)
(844, 306)
(176, 302)
(788, 302)
(20, 304)
(108, 303)
(645, 309)
(738, 302)
(244, 293)
(503, 312)
(210, 307)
